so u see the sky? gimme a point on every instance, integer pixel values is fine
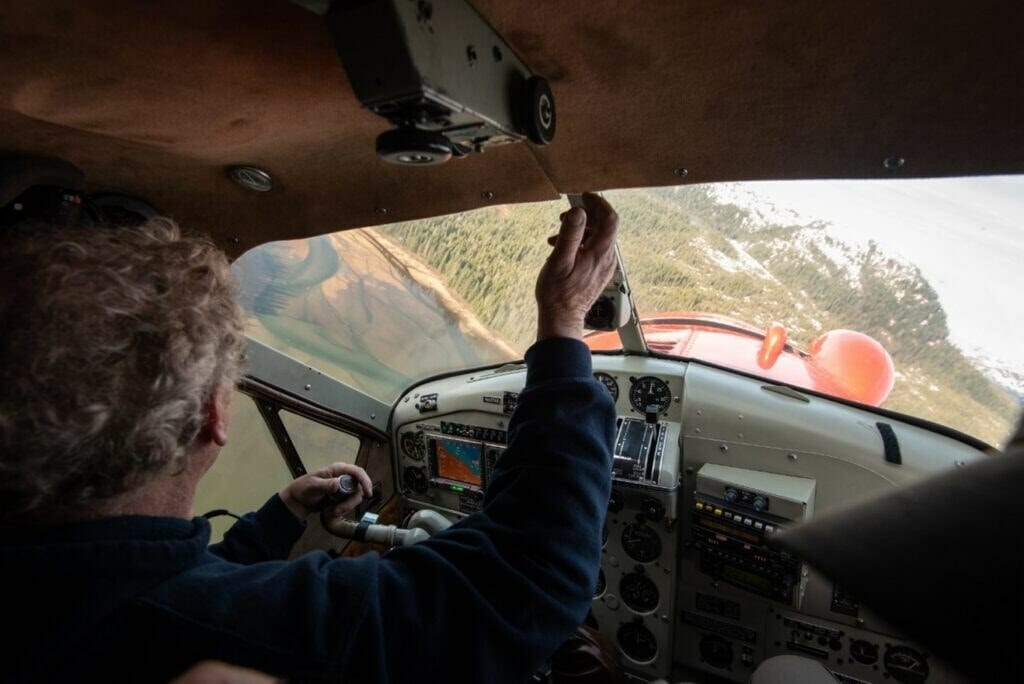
(965, 234)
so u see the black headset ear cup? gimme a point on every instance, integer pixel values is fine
(48, 190)
(54, 206)
(18, 175)
(40, 189)
(113, 209)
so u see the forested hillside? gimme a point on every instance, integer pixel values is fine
(687, 250)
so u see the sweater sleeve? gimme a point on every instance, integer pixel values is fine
(492, 597)
(268, 534)
(487, 600)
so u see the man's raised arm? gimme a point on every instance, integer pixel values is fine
(494, 595)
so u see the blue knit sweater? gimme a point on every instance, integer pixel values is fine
(488, 600)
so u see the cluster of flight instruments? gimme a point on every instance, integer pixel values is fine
(687, 576)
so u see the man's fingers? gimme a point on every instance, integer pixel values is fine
(329, 476)
(552, 239)
(603, 224)
(569, 236)
(337, 468)
(606, 269)
(360, 476)
(364, 481)
(597, 207)
(603, 242)
(317, 487)
(346, 506)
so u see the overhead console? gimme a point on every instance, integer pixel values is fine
(708, 465)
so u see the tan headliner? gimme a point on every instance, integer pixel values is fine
(155, 99)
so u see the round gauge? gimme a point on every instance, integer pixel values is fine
(415, 479)
(863, 651)
(715, 651)
(639, 592)
(408, 443)
(615, 502)
(601, 584)
(906, 665)
(640, 542)
(652, 509)
(412, 445)
(609, 383)
(650, 395)
(637, 642)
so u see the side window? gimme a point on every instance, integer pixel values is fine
(317, 444)
(247, 472)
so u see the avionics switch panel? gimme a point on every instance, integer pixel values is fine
(735, 512)
(781, 496)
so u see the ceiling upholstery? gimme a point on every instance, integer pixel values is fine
(156, 99)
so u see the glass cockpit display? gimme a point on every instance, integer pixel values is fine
(457, 460)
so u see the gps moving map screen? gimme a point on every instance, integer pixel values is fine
(458, 461)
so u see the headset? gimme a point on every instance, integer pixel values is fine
(49, 191)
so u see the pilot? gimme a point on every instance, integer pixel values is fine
(119, 353)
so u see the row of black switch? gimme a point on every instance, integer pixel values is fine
(474, 432)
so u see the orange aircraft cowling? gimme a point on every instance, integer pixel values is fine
(841, 363)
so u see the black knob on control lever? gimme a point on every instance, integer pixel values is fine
(346, 487)
(651, 414)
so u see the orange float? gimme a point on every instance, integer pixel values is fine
(841, 363)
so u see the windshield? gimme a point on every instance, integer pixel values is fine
(891, 293)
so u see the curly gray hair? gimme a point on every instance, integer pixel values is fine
(113, 340)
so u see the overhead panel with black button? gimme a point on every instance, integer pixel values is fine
(447, 82)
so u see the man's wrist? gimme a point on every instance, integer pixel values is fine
(570, 334)
(296, 508)
(547, 328)
(558, 358)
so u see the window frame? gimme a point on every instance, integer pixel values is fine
(276, 382)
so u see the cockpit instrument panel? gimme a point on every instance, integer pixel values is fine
(689, 581)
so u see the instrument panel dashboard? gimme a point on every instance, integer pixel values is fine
(708, 464)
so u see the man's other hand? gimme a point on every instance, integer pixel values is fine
(578, 269)
(306, 494)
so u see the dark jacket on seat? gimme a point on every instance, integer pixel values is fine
(488, 600)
